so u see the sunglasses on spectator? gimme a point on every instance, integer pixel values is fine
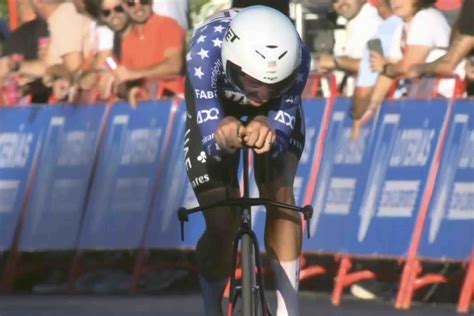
(118, 9)
(132, 3)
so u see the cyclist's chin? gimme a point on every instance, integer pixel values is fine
(257, 102)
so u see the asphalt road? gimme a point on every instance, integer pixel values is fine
(190, 305)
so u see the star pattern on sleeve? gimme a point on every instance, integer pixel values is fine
(217, 42)
(198, 72)
(201, 39)
(203, 53)
(218, 28)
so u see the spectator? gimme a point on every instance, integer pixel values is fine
(152, 49)
(25, 11)
(363, 21)
(70, 43)
(29, 41)
(114, 16)
(425, 33)
(388, 35)
(461, 45)
(176, 9)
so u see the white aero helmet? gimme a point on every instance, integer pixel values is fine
(262, 43)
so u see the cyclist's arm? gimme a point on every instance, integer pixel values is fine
(283, 117)
(201, 90)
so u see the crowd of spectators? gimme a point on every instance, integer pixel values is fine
(92, 50)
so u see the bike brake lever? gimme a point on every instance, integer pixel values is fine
(308, 213)
(183, 217)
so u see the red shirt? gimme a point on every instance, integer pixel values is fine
(142, 50)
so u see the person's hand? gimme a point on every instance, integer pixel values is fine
(357, 124)
(123, 74)
(259, 135)
(134, 95)
(355, 131)
(106, 86)
(88, 80)
(377, 62)
(325, 62)
(229, 133)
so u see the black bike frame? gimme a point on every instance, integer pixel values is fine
(249, 243)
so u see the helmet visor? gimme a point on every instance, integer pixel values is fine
(249, 85)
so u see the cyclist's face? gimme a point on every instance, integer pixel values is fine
(256, 92)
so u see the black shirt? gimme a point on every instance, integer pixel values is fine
(24, 40)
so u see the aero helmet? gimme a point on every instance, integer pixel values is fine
(261, 43)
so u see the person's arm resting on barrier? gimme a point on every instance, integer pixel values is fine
(446, 64)
(343, 63)
(171, 67)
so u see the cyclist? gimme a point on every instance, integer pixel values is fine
(249, 62)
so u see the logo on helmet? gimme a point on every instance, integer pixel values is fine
(230, 36)
(272, 64)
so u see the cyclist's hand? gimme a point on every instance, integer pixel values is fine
(229, 134)
(259, 134)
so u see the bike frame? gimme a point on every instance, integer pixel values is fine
(250, 251)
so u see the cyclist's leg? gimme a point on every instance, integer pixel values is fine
(212, 181)
(283, 235)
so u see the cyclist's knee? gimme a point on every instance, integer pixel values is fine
(221, 222)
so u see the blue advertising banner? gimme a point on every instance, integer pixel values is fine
(342, 167)
(64, 169)
(449, 229)
(399, 163)
(313, 112)
(174, 191)
(20, 137)
(126, 175)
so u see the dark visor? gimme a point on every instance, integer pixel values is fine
(239, 78)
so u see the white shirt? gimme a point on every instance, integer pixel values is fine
(360, 29)
(104, 38)
(430, 28)
(389, 34)
(176, 9)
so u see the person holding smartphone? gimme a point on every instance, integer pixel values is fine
(385, 42)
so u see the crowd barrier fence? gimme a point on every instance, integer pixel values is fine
(111, 177)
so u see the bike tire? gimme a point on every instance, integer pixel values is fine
(248, 277)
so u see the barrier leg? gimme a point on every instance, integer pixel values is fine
(137, 270)
(74, 270)
(407, 284)
(344, 268)
(467, 291)
(8, 279)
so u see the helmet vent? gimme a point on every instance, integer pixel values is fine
(272, 46)
(282, 55)
(261, 55)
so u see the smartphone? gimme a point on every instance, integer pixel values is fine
(111, 63)
(375, 45)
